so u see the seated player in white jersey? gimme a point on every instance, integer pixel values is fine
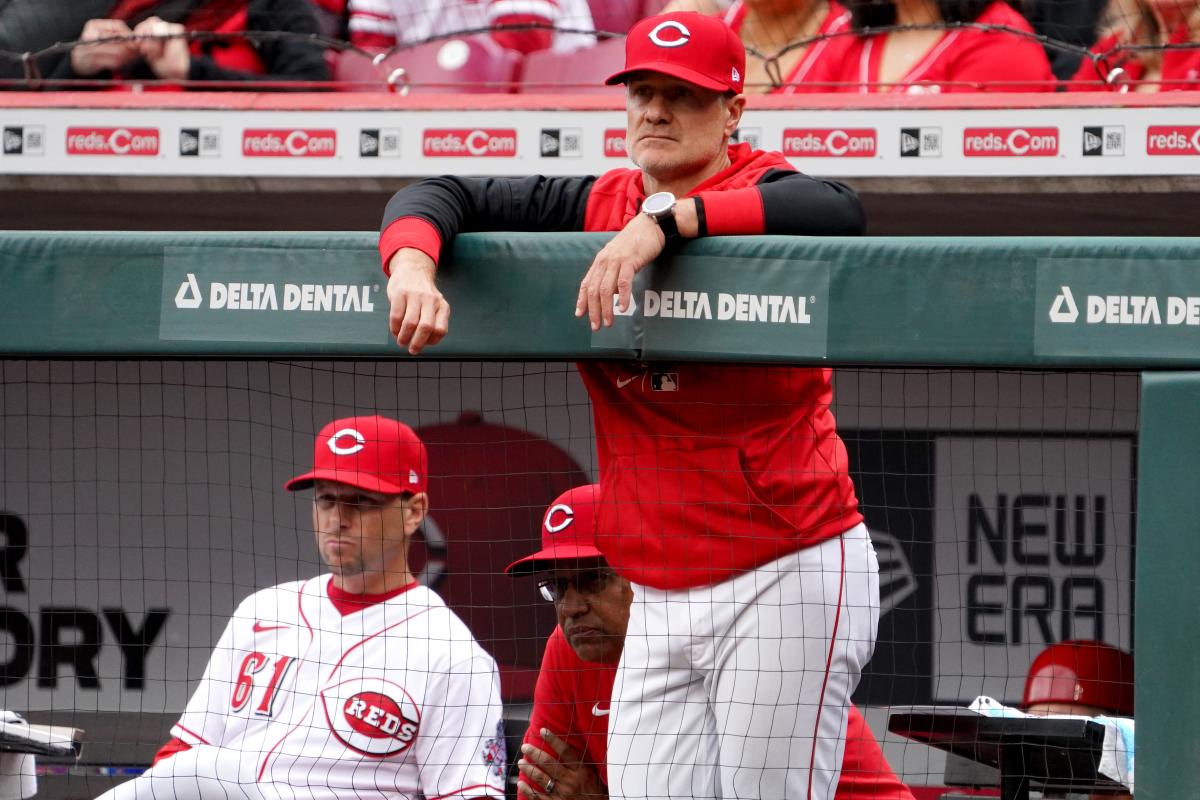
(358, 683)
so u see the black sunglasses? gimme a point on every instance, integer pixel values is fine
(589, 582)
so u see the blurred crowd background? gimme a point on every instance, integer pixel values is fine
(859, 46)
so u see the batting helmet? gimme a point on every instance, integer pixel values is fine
(1085, 672)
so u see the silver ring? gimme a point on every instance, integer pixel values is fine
(550, 786)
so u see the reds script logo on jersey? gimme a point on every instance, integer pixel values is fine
(372, 716)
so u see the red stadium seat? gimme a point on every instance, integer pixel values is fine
(580, 72)
(468, 64)
(615, 16)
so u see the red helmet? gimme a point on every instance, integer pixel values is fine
(1086, 672)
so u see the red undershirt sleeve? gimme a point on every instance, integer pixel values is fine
(736, 212)
(409, 232)
(169, 749)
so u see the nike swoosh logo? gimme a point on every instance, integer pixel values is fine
(261, 628)
(623, 382)
(598, 712)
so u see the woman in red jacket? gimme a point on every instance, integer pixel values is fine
(1132, 23)
(940, 46)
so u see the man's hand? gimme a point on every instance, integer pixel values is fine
(573, 779)
(168, 58)
(419, 315)
(89, 59)
(626, 254)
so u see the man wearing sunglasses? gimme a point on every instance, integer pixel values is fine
(565, 747)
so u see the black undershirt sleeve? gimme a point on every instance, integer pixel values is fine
(796, 204)
(460, 205)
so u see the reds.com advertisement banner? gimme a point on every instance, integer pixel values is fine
(83, 141)
(463, 143)
(289, 143)
(1010, 142)
(1173, 140)
(884, 142)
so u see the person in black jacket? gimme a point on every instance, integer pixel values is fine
(110, 52)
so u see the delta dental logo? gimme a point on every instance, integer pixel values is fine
(1125, 309)
(289, 143)
(1173, 140)
(723, 306)
(984, 142)
(112, 141)
(830, 142)
(326, 297)
(469, 142)
(614, 143)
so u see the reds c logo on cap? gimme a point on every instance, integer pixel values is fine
(679, 39)
(349, 449)
(558, 517)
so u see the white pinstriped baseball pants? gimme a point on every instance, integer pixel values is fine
(741, 689)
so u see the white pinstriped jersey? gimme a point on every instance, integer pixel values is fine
(394, 700)
(391, 22)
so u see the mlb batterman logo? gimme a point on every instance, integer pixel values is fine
(372, 716)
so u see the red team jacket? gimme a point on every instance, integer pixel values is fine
(964, 59)
(706, 470)
(572, 699)
(799, 80)
(1180, 68)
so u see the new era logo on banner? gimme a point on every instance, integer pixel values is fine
(379, 142)
(751, 136)
(920, 142)
(27, 140)
(561, 143)
(200, 142)
(1104, 141)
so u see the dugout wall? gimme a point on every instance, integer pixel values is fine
(1008, 389)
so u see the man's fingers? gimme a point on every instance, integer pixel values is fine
(525, 789)
(547, 763)
(533, 772)
(396, 316)
(408, 327)
(427, 330)
(441, 321)
(608, 287)
(560, 746)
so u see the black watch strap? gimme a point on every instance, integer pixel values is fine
(670, 227)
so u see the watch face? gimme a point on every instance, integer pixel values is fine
(658, 203)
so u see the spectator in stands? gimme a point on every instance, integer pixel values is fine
(1133, 23)
(224, 57)
(1081, 677)
(384, 24)
(931, 57)
(331, 18)
(768, 28)
(565, 749)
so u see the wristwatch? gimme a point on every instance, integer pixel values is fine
(660, 207)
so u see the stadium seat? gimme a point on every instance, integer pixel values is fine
(468, 64)
(615, 16)
(580, 72)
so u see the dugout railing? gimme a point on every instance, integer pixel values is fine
(1061, 304)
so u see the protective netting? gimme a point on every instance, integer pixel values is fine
(571, 45)
(143, 501)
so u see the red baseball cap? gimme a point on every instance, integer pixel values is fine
(373, 453)
(693, 47)
(568, 531)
